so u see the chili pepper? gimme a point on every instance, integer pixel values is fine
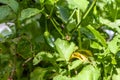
(49, 39)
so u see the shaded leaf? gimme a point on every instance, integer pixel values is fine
(4, 12)
(38, 74)
(23, 47)
(63, 13)
(12, 3)
(42, 56)
(87, 33)
(71, 25)
(29, 12)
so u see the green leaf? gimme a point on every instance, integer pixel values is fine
(87, 33)
(63, 13)
(23, 47)
(60, 77)
(64, 48)
(71, 25)
(116, 76)
(113, 44)
(38, 74)
(29, 12)
(42, 56)
(12, 3)
(96, 45)
(4, 12)
(5, 75)
(89, 72)
(114, 25)
(80, 4)
(75, 64)
(41, 1)
(50, 2)
(97, 35)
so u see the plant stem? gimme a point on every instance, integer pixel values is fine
(51, 12)
(57, 28)
(56, 22)
(85, 15)
(69, 74)
(116, 11)
(72, 14)
(111, 73)
(79, 34)
(92, 5)
(46, 28)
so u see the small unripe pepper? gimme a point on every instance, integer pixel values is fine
(49, 39)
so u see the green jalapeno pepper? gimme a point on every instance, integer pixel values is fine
(49, 39)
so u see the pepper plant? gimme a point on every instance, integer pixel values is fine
(60, 40)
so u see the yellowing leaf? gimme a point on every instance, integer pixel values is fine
(79, 56)
(86, 52)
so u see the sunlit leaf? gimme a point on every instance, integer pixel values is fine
(116, 76)
(89, 72)
(113, 60)
(97, 35)
(96, 45)
(113, 25)
(60, 77)
(64, 48)
(113, 44)
(50, 2)
(75, 64)
(80, 4)
(79, 56)
(41, 1)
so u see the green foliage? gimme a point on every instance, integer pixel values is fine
(38, 74)
(60, 40)
(91, 72)
(80, 4)
(3, 10)
(65, 49)
(97, 35)
(29, 12)
(13, 4)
